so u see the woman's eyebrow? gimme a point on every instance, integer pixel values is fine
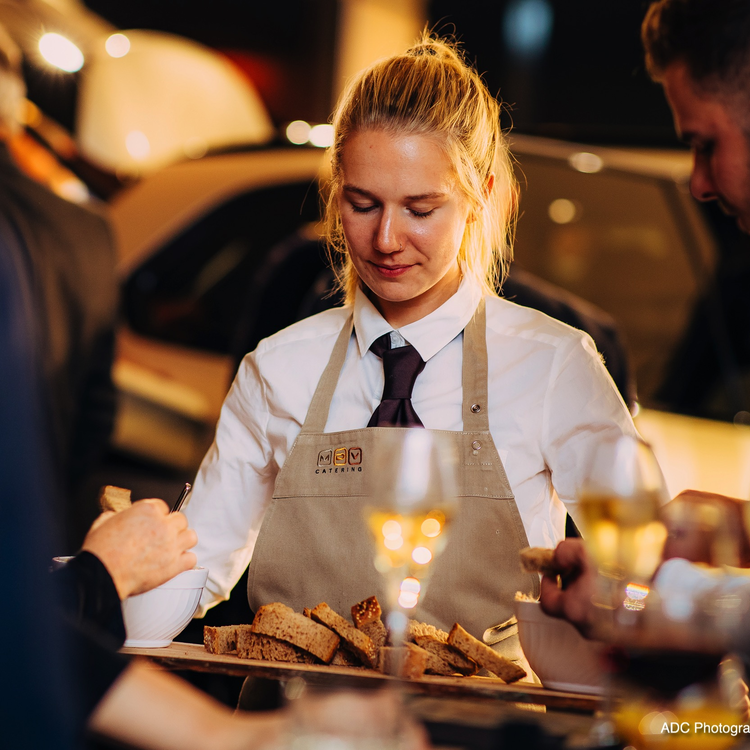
(358, 190)
(422, 197)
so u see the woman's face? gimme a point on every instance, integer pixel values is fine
(404, 218)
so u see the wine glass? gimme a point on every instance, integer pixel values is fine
(619, 502)
(413, 501)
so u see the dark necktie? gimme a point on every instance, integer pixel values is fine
(400, 367)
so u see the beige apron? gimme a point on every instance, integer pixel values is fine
(314, 546)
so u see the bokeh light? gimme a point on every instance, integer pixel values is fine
(562, 211)
(137, 145)
(322, 136)
(117, 45)
(61, 52)
(298, 132)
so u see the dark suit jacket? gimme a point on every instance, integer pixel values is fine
(71, 261)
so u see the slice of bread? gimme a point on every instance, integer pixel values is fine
(539, 560)
(435, 641)
(266, 648)
(354, 640)
(114, 498)
(220, 639)
(282, 622)
(408, 661)
(453, 661)
(416, 629)
(344, 658)
(483, 655)
(367, 617)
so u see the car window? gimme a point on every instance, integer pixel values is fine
(199, 288)
(630, 243)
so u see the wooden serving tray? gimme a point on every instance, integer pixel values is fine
(192, 656)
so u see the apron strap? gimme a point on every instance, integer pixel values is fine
(317, 414)
(474, 409)
(474, 377)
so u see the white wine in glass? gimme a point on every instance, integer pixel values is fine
(413, 501)
(619, 504)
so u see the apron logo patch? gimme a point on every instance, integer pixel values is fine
(339, 460)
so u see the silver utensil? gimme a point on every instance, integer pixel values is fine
(181, 499)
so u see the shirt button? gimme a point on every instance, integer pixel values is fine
(476, 445)
(476, 408)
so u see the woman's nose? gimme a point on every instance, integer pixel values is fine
(386, 236)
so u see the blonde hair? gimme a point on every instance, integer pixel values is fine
(431, 90)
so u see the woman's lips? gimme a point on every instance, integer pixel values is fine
(391, 272)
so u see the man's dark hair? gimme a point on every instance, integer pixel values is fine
(712, 37)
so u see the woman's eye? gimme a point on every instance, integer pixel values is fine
(362, 209)
(421, 214)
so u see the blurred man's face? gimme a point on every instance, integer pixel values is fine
(720, 146)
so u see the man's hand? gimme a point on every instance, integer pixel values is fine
(707, 528)
(573, 602)
(143, 546)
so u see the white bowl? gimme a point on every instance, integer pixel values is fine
(153, 619)
(561, 657)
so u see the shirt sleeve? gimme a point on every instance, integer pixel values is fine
(582, 407)
(234, 485)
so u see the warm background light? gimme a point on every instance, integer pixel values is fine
(61, 52)
(117, 45)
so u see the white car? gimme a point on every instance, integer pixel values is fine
(194, 242)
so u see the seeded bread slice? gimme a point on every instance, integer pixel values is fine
(408, 661)
(483, 655)
(221, 639)
(282, 622)
(114, 498)
(266, 648)
(353, 640)
(367, 617)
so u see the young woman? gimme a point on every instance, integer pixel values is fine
(419, 218)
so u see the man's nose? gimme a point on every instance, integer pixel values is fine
(702, 185)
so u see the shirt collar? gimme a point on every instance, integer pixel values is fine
(427, 335)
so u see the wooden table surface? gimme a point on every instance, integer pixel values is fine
(188, 656)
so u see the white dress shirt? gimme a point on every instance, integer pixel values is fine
(550, 400)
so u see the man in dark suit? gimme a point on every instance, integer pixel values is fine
(699, 51)
(70, 255)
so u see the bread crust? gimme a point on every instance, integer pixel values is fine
(367, 617)
(220, 639)
(114, 498)
(539, 560)
(354, 640)
(267, 648)
(408, 661)
(283, 623)
(483, 655)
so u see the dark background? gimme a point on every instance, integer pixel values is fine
(585, 79)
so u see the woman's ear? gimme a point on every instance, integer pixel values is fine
(488, 188)
(490, 184)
